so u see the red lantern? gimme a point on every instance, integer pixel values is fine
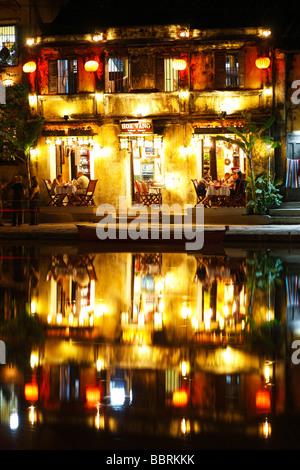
(29, 67)
(262, 62)
(92, 395)
(179, 64)
(180, 397)
(31, 392)
(263, 400)
(91, 66)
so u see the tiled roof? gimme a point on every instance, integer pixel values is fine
(85, 16)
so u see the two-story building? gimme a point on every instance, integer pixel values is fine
(142, 101)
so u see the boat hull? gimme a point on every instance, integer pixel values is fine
(212, 236)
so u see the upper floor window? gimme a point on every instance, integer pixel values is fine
(8, 45)
(63, 76)
(118, 75)
(166, 77)
(229, 69)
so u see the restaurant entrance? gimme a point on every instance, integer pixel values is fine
(145, 150)
(218, 157)
(70, 155)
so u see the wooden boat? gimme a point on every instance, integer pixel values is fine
(213, 235)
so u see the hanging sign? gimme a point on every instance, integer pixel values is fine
(139, 126)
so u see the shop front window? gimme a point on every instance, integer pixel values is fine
(8, 45)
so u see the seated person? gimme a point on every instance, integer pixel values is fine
(56, 182)
(238, 179)
(82, 183)
(203, 183)
(226, 179)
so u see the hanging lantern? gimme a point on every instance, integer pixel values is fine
(29, 67)
(179, 64)
(262, 62)
(91, 66)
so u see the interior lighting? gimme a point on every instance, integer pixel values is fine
(91, 66)
(262, 62)
(117, 396)
(29, 67)
(98, 37)
(179, 64)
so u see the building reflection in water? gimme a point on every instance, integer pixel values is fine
(162, 344)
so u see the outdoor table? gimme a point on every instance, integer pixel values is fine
(216, 194)
(63, 191)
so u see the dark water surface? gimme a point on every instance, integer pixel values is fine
(149, 350)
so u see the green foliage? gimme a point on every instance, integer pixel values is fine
(246, 140)
(267, 194)
(266, 269)
(18, 131)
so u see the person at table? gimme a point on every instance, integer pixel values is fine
(58, 181)
(203, 183)
(238, 179)
(226, 179)
(81, 183)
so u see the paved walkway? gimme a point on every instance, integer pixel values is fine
(235, 233)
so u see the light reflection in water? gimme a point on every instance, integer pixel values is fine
(119, 333)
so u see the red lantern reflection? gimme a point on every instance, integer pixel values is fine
(92, 395)
(31, 392)
(263, 400)
(180, 397)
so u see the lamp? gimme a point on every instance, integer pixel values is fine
(179, 64)
(91, 66)
(262, 62)
(29, 67)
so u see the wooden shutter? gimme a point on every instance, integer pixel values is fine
(159, 73)
(219, 70)
(52, 76)
(241, 59)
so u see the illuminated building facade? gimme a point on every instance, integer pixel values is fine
(142, 102)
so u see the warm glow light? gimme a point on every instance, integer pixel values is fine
(262, 62)
(179, 64)
(180, 397)
(31, 392)
(92, 395)
(34, 360)
(263, 400)
(30, 41)
(91, 66)
(32, 415)
(29, 67)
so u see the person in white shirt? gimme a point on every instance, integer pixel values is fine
(82, 183)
